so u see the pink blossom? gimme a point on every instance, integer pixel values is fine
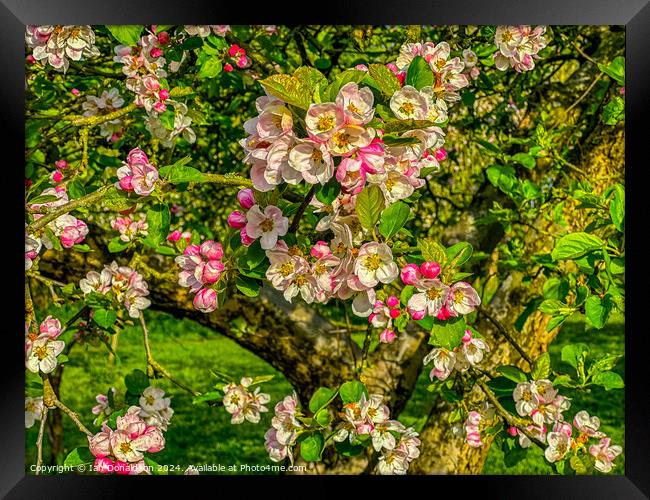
(410, 274)
(267, 225)
(320, 249)
(236, 220)
(387, 336)
(228, 67)
(392, 301)
(137, 174)
(51, 327)
(174, 236)
(211, 250)
(245, 239)
(206, 300)
(246, 198)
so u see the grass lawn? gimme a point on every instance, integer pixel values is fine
(200, 434)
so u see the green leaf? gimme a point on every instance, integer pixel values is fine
(617, 207)
(604, 363)
(158, 219)
(254, 255)
(75, 189)
(310, 78)
(393, 218)
(192, 42)
(502, 177)
(311, 448)
(323, 417)
(386, 81)
(208, 396)
(513, 456)
(525, 160)
(492, 148)
(321, 398)
(573, 245)
(178, 172)
(419, 73)
(117, 245)
(370, 203)
(609, 380)
(104, 317)
(136, 382)
(328, 192)
(555, 288)
(117, 200)
(459, 253)
(348, 449)
(615, 69)
(512, 373)
(289, 89)
(126, 34)
(394, 141)
(210, 67)
(542, 367)
(502, 386)
(449, 333)
(614, 111)
(432, 251)
(597, 310)
(347, 76)
(575, 354)
(79, 456)
(248, 286)
(350, 392)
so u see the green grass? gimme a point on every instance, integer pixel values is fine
(200, 434)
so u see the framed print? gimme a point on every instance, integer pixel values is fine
(386, 243)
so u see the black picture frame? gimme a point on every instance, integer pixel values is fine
(633, 14)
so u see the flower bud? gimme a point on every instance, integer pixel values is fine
(320, 249)
(392, 301)
(236, 220)
(61, 164)
(75, 91)
(394, 313)
(246, 198)
(57, 176)
(155, 52)
(444, 313)
(212, 250)
(245, 239)
(192, 250)
(410, 274)
(430, 269)
(174, 236)
(440, 154)
(387, 336)
(212, 271)
(417, 315)
(512, 430)
(205, 300)
(163, 38)
(228, 67)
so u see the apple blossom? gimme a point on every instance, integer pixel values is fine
(374, 264)
(462, 299)
(155, 409)
(33, 411)
(137, 174)
(559, 445)
(518, 47)
(587, 425)
(102, 409)
(59, 44)
(243, 404)
(267, 225)
(604, 454)
(42, 354)
(443, 362)
(410, 274)
(433, 294)
(246, 198)
(205, 300)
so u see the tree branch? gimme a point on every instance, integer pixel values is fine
(503, 331)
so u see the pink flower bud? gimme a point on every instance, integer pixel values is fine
(228, 67)
(361, 67)
(104, 465)
(163, 94)
(31, 59)
(440, 154)
(236, 220)
(513, 431)
(60, 188)
(136, 155)
(417, 315)
(115, 137)
(430, 269)
(212, 250)
(393, 68)
(246, 198)
(392, 301)
(410, 274)
(174, 236)
(394, 313)
(233, 50)
(61, 164)
(212, 271)
(245, 239)
(205, 300)
(387, 336)
(444, 313)
(155, 52)
(163, 38)
(126, 183)
(192, 250)
(75, 91)
(467, 336)
(320, 249)
(621, 91)
(57, 176)
(159, 107)
(242, 61)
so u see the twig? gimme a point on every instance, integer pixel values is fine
(228, 180)
(503, 331)
(585, 93)
(39, 441)
(73, 416)
(295, 222)
(156, 366)
(366, 347)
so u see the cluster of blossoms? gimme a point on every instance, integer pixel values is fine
(130, 228)
(58, 174)
(137, 174)
(201, 268)
(475, 422)
(471, 64)
(67, 228)
(120, 283)
(43, 348)
(155, 408)
(103, 408)
(107, 102)
(205, 30)
(370, 417)
(243, 404)
(382, 316)
(122, 450)
(469, 353)
(281, 437)
(57, 44)
(518, 47)
(32, 247)
(177, 235)
(238, 56)
(33, 411)
(144, 66)
(434, 298)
